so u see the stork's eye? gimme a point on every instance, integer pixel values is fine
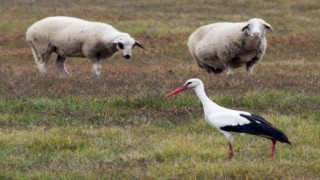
(120, 45)
(189, 83)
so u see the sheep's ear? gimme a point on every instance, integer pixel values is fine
(245, 28)
(137, 43)
(268, 26)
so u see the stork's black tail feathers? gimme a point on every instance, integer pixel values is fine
(261, 127)
(280, 136)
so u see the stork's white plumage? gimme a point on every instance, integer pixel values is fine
(231, 122)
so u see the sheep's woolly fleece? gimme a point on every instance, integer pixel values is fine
(72, 37)
(226, 45)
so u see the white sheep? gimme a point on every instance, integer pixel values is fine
(226, 45)
(73, 37)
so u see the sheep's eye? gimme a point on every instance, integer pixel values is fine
(120, 45)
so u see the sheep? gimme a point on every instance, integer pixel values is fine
(226, 45)
(73, 37)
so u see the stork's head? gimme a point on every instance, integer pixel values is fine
(190, 84)
(125, 44)
(256, 27)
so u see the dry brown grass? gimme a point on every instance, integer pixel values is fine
(121, 77)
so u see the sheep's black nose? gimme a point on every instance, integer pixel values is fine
(127, 56)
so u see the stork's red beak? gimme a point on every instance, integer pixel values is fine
(176, 91)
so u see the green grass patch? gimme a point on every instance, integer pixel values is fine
(194, 150)
(153, 136)
(151, 107)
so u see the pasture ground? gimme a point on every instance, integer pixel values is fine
(119, 126)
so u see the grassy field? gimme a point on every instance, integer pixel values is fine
(119, 126)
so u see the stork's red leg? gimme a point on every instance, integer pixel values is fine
(230, 151)
(274, 141)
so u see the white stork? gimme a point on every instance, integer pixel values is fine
(231, 122)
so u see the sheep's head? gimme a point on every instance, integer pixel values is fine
(125, 45)
(256, 27)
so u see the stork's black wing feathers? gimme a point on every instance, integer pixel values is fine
(258, 126)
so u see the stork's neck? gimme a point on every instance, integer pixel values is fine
(207, 104)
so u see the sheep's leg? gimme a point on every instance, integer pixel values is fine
(209, 68)
(35, 55)
(43, 60)
(250, 64)
(216, 70)
(60, 64)
(201, 64)
(96, 68)
(204, 66)
(229, 69)
(250, 69)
